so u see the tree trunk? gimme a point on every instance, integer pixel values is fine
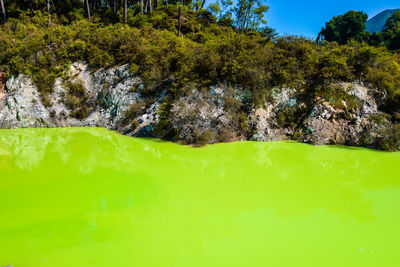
(150, 6)
(48, 6)
(3, 10)
(87, 8)
(246, 20)
(179, 22)
(115, 6)
(166, 3)
(125, 11)
(141, 7)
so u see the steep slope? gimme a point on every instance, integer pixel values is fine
(116, 100)
(377, 23)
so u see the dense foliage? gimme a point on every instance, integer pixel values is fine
(351, 26)
(345, 27)
(391, 32)
(248, 14)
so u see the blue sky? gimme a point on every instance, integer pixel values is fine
(306, 17)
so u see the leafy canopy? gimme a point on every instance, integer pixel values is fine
(343, 28)
(391, 32)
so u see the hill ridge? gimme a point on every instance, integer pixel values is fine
(377, 22)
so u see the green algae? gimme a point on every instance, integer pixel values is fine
(91, 197)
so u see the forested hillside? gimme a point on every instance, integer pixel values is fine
(183, 45)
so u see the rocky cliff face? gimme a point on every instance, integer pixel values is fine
(109, 94)
(114, 99)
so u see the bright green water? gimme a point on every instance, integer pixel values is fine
(90, 197)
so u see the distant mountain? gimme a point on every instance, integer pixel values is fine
(377, 23)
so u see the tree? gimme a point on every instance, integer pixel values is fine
(376, 39)
(391, 31)
(268, 33)
(249, 14)
(87, 8)
(179, 21)
(344, 28)
(125, 10)
(115, 6)
(3, 11)
(48, 6)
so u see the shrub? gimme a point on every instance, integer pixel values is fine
(205, 138)
(389, 138)
(76, 100)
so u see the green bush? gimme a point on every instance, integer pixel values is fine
(205, 138)
(388, 139)
(76, 100)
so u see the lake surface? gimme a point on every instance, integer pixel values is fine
(91, 197)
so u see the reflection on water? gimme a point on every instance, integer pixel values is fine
(91, 197)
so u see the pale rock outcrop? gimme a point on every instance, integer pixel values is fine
(264, 119)
(329, 125)
(203, 111)
(110, 92)
(266, 126)
(197, 116)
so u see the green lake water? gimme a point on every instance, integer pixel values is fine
(91, 197)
